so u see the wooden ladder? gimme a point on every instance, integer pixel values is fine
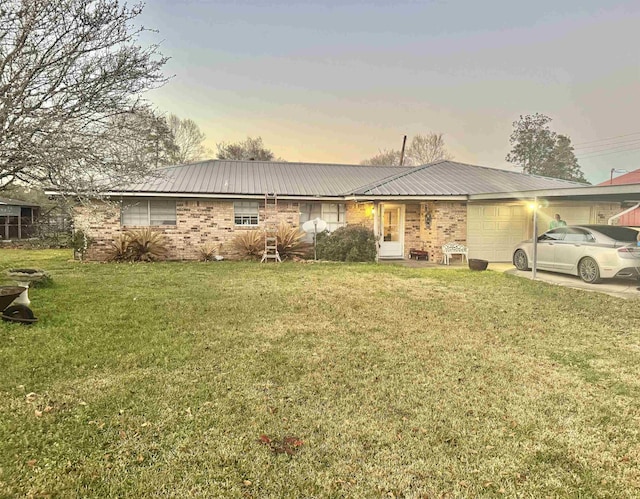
(270, 229)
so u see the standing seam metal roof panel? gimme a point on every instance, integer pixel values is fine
(443, 178)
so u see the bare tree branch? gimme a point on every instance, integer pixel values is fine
(68, 69)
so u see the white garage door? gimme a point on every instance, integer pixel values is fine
(571, 214)
(494, 229)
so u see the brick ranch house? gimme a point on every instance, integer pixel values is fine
(421, 207)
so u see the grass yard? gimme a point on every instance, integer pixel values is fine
(315, 380)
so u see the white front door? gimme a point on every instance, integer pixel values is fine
(392, 231)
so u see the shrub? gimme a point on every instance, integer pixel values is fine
(249, 244)
(352, 243)
(291, 242)
(119, 250)
(207, 252)
(146, 245)
(80, 243)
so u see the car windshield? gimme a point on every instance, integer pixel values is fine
(618, 233)
(553, 235)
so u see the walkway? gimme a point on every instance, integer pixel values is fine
(620, 288)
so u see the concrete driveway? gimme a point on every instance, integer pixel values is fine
(620, 288)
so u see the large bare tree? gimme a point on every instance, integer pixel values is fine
(250, 149)
(385, 157)
(188, 139)
(425, 149)
(422, 149)
(68, 70)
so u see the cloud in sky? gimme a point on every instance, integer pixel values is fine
(337, 81)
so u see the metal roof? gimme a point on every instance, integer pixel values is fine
(450, 178)
(632, 177)
(260, 177)
(443, 178)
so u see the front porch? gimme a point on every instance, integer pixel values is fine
(401, 227)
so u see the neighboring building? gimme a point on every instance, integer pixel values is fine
(17, 219)
(422, 207)
(631, 217)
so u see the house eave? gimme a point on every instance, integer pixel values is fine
(193, 195)
(613, 193)
(364, 198)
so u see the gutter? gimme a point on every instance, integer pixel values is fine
(199, 196)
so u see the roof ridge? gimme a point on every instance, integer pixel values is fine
(391, 178)
(305, 163)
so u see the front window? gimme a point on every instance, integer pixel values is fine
(146, 212)
(332, 213)
(246, 213)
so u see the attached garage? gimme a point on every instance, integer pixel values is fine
(493, 229)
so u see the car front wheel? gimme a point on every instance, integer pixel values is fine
(589, 270)
(520, 260)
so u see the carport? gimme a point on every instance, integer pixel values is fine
(498, 221)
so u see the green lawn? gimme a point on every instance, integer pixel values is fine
(315, 380)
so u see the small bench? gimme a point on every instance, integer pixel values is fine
(450, 249)
(418, 254)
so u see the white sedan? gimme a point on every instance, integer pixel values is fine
(593, 252)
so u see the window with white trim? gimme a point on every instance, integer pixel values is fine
(146, 212)
(332, 213)
(246, 213)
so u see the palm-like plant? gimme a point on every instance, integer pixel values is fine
(146, 245)
(119, 250)
(249, 244)
(291, 242)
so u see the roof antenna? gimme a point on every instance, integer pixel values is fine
(404, 143)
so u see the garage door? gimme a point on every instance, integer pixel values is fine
(572, 215)
(494, 229)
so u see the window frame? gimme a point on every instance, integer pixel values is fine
(250, 216)
(142, 202)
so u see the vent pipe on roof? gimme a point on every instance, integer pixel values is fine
(404, 143)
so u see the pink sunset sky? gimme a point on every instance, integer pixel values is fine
(330, 81)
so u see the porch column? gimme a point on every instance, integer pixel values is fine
(20, 226)
(376, 228)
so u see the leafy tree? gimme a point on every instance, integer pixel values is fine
(422, 149)
(68, 69)
(539, 150)
(564, 160)
(250, 149)
(188, 140)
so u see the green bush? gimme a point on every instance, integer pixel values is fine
(353, 243)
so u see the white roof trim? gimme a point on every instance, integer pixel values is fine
(592, 190)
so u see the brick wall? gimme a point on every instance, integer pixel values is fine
(198, 222)
(413, 225)
(359, 214)
(602, 213)
(448, 224)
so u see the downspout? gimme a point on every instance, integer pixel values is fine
(628, 210)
